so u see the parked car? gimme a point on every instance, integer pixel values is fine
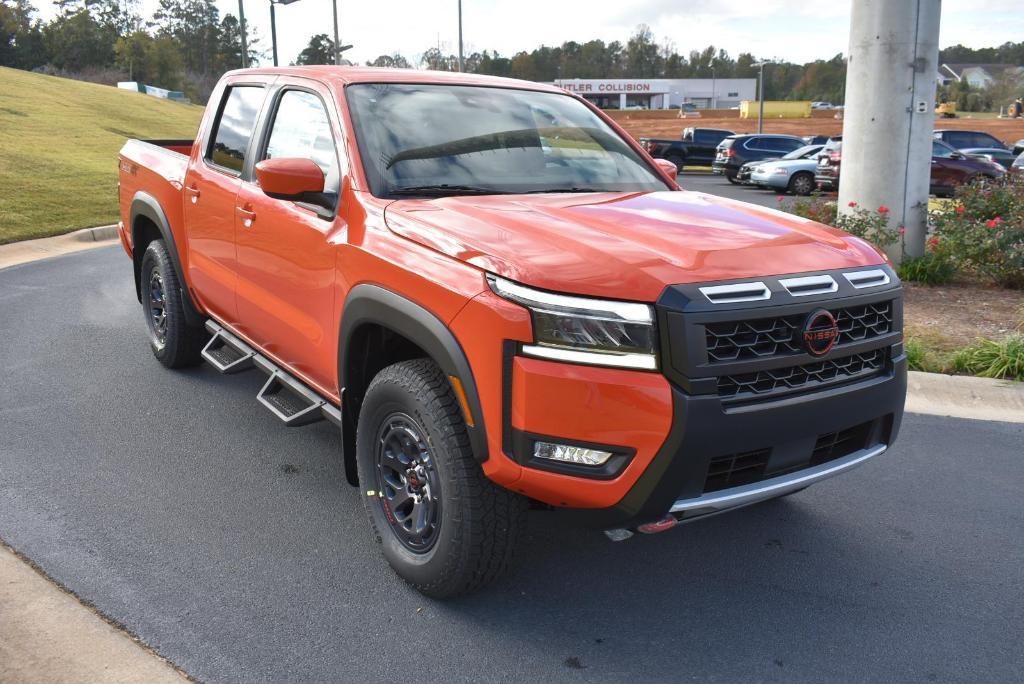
(696, 146)
(816, 139)
(1002, 157)
(969, 139)
(821, 105)
(792, 173)
(736, 150)
(746, 171)
(499, 298)
(1018, 147)
(830, 159)
(1018, 164)
(950, 168)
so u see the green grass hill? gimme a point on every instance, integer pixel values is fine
(58, 149)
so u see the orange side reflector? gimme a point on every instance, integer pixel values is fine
(460, 394)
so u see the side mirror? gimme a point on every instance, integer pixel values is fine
(668, 167)
(289, 178)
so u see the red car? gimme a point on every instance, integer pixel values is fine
(499, 297)
(950, 168)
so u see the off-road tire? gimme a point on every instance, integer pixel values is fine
(479, 522)
(180, 344)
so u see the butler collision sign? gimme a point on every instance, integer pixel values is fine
(661, 93)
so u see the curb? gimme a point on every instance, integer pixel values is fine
(32, 250)
(964, 396)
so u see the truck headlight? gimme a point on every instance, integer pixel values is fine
(583, 330)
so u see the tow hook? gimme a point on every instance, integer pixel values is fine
(666, 523)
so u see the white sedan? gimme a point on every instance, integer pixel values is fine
(793, 173)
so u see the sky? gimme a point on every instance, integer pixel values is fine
(776, 29)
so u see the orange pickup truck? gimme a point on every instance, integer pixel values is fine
(501, 299)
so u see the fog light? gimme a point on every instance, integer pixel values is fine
(570, 454)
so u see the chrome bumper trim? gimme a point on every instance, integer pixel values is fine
(716, 502)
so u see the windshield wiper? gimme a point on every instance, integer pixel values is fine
(445, 189)
(573, 189)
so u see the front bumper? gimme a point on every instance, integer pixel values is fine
(769, 180)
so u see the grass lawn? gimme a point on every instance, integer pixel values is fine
(58, 149)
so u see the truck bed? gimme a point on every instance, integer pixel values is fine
(153, 171)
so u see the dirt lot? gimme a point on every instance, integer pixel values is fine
(667, 124)
(953, 316)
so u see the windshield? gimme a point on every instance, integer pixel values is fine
(801, 152)
(434, 139)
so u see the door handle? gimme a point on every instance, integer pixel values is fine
(193, 192)
(247, 216)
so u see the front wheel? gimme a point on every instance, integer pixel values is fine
(678, 161)
(731, 177)
(801, 184)
(442, 525)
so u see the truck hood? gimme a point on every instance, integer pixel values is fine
(623, 245)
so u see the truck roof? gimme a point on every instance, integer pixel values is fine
(358, 74)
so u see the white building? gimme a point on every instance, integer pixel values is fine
(662, 93)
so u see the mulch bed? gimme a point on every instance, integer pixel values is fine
(952, 316)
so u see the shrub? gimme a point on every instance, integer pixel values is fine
(915, 354)
(871, 225)
(991, 359)
(983, 230)
(816, 208)
(936, 267)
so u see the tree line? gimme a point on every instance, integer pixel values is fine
(187, 44)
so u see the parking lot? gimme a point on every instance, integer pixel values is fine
(705, 181)
(184, 511)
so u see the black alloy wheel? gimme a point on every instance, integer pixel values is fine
(408, 484)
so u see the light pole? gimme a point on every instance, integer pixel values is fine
(714, 92)
(760, 92)
(337, 40)
(460, 35)
(241, 27)
(273, 24)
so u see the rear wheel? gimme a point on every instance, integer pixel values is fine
(175, 343)
(801, 183)
(442, 525)
(677, 160)
(731, 177)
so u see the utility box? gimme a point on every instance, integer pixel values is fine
(776, 109)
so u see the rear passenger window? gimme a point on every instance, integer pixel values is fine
(234, 127)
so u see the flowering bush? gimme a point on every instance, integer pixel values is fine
(983, 230)
(872, 225)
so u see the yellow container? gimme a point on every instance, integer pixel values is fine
(776, 109)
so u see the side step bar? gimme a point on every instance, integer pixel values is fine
(287, 397)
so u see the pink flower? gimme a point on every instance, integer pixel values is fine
(883, 209)
(902, 230)
(960, 209)
(933, 242)
(779, 198)
(992, 223)
(852, 205)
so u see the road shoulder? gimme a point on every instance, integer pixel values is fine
(32, 250)
(47, 635)
(962, 396)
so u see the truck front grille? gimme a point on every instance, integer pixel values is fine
(780, 336)
(802, 377)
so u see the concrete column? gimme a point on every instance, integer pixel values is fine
(622, 100)
(890, 112)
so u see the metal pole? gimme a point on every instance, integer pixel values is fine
(890, 113)
(337, 40)
(714, 91)
(460, 35)
(760, 111)
(273, 31)
(241, 28)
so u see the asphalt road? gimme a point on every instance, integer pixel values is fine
(182, 509)
(705, 181)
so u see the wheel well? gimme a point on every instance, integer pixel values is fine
(371, 348)
(144, 231)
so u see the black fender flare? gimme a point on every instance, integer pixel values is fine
(372, 304)
(145, 205)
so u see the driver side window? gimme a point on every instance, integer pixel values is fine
(302, 129)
